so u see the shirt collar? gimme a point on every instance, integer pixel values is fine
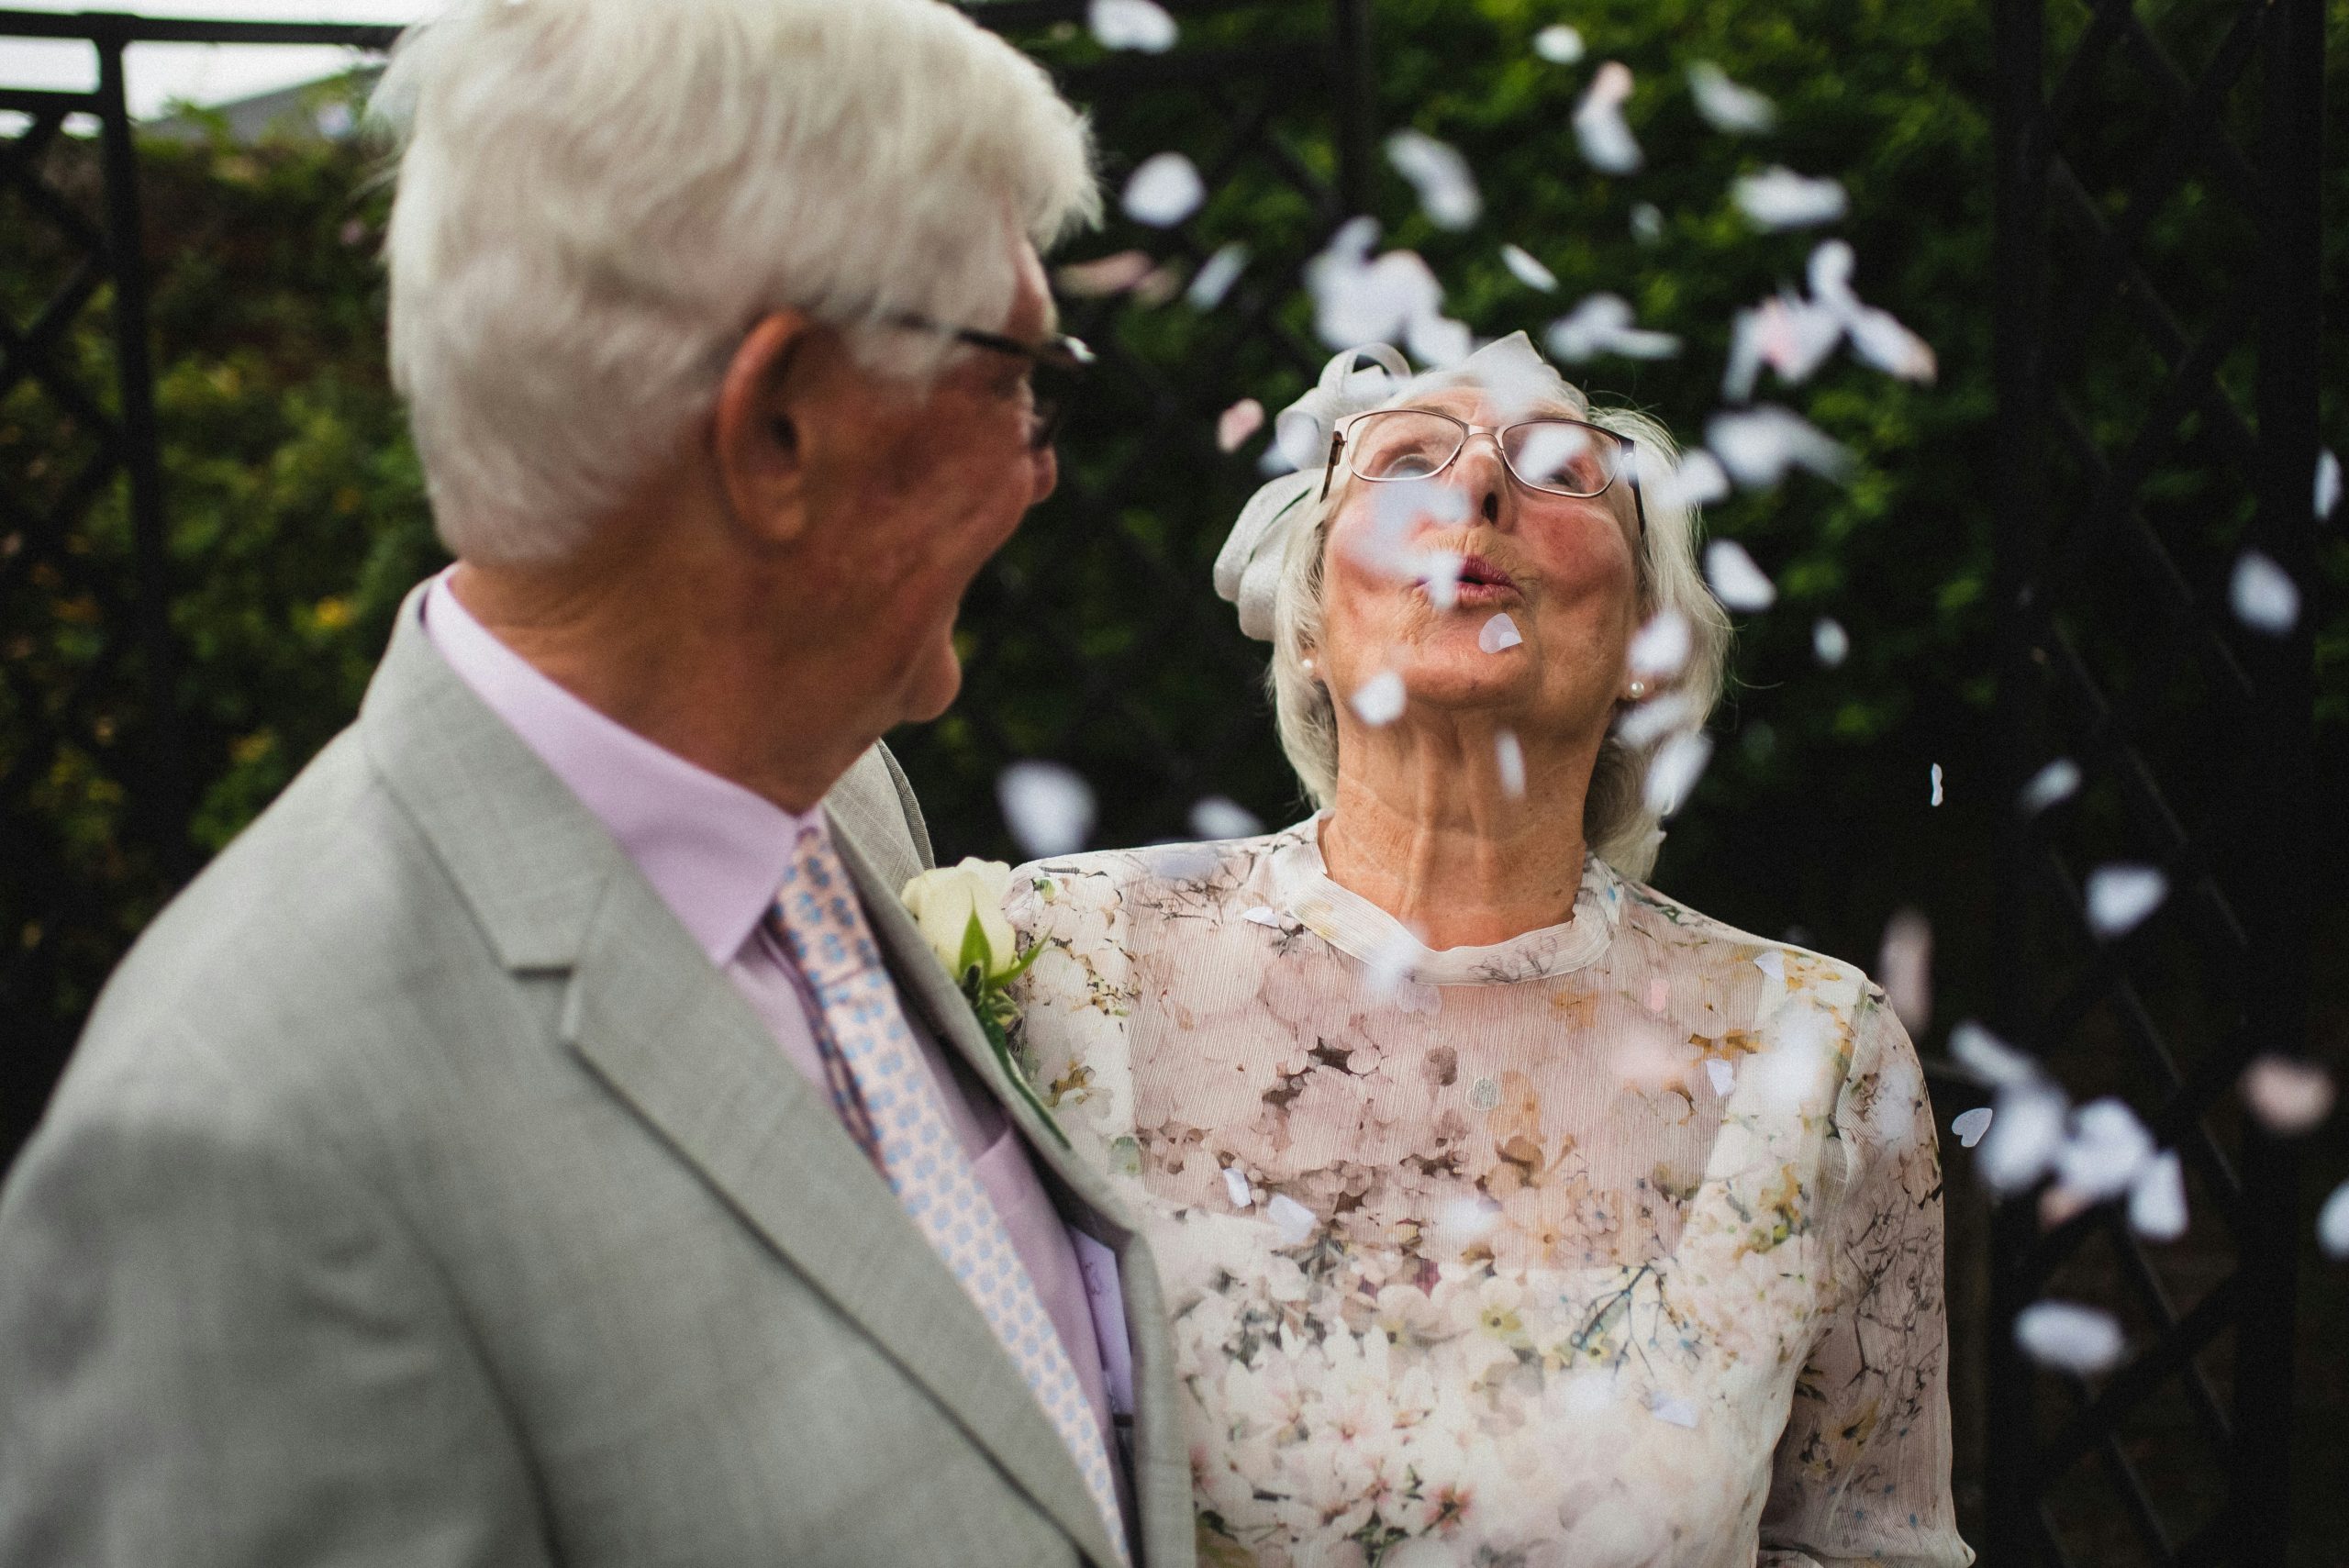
(713, 850)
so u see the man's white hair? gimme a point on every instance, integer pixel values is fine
(596, 199)
(1618, 824)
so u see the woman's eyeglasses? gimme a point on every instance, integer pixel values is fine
(1557, 457)
(1056, 364)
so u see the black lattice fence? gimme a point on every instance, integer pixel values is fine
(2159, 389)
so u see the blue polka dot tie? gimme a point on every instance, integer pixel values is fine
(888, 1102)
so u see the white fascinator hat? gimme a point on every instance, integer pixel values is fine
(1374, 375)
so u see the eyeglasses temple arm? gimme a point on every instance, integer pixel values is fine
(1329, 463)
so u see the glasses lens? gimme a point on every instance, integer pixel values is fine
(1562, 456)
(1403, 443)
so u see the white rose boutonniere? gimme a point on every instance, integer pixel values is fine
(959, 910)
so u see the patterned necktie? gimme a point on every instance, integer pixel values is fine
(887, 1102)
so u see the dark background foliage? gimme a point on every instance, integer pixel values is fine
(298, 518)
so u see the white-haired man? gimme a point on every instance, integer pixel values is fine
(543, 1137)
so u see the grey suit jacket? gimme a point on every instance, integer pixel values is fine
(420, 1195)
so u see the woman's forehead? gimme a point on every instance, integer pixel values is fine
(1480, 405)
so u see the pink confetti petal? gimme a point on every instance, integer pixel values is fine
(1107, 275)
(2288, 1097)
(1236, 423)
(1905, 968)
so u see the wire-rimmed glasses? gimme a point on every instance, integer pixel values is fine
(1057, 362)
(1556, 456)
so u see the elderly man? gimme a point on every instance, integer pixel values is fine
(543, 1137)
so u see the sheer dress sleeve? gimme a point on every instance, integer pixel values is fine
(1862, 1472)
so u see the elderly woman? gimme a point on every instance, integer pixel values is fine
(1511, 1213)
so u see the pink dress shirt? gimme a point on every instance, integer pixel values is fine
(715, 853)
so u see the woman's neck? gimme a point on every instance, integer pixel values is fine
(1424, 826)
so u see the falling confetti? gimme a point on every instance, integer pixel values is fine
(2026, 1135)
(1131, 24)
(1970, 1126)
(2327, 483)
(1697, 481)
(1647, 223)
(1358, 300)
(1235, 1184)
(1466, 1221)
(1791, 336)
(1602, 325)
(1658, 717)
(1447, 190)
(1219, 817)
(1163, 190)
(1599, 127)
(1905, 968)
(1673, 1412)
(2288, 1097)
(2157, 1199)
(1780, 198)
(2121, 896)
(1758, 445)
(1380, 701)
(1293, 1220)
(1673, 771)
(2332, 1223)
(1528, 269)
(1386, 972)
(1660, 650)
(1216, 275)
(1559, 44)
(1047, 807)
(1264, 914)
(1439, 572)
(2264, 596)
(1936, 796)
(2069, 1337)
(2106, 1148)
(1830, 643)
(1106, 276)
(1736, 580)
(1727, 106)
(1438, 340)
(2051, 785)
(1498, 634)
(1508, 764)
(1723, 1077)
(1880, 339)
(1236, 423)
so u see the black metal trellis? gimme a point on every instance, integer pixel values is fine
(2157, 417)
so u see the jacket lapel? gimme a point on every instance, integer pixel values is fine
(670, 1036)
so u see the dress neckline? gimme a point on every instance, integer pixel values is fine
(1362, 930)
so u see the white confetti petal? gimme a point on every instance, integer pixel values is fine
(2121, 896)
(1879, 339)
(1675, 1412)
(1216, 275)
(1758, 445)
(2072, 1338)
(1235, 1184)
(1386, 972)
(1295, 1221)
(1658, 717)
(2106, 1148)
(1264, 914)
(2332, 1223)
(1727, 106)
(1936, 795)
(1970, 1126)
(2055, 783)
(1905, 968)
(1988, 1057)
(1380, 700)
(1791, 336)
(1509, 763)
(1438, 340)
(2288, 1097)
(2264, 594)
(1464, 1222)
(1499, 633)
(1673, 771)
(2327, 483)
(2026, 1135)
(1559, 44)
(1660, 650)
(1603, 135)
(1528, 269)
(1441, 176)
(1359, 301)
(1163, 190)
(1699, 480)
(1132, 23)
(1647, 222)
(2157, 1199)
(1602, 325)
(1830, 643)
(1236, 423)
(1048, 808)
(1723, 1075)
(1736, 580)
(1217, 817)
(1438, 571)
(1780, 198)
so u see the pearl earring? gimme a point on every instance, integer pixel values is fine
(1306, 664)
(1637, 690)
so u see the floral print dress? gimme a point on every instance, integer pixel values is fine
(1617, 1245)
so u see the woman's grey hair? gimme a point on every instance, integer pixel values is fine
(596, 199)
(1618, 824)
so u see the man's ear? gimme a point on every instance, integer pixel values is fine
(757, 440)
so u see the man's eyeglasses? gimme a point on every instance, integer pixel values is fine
(1056, 365)
(1557, 457)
